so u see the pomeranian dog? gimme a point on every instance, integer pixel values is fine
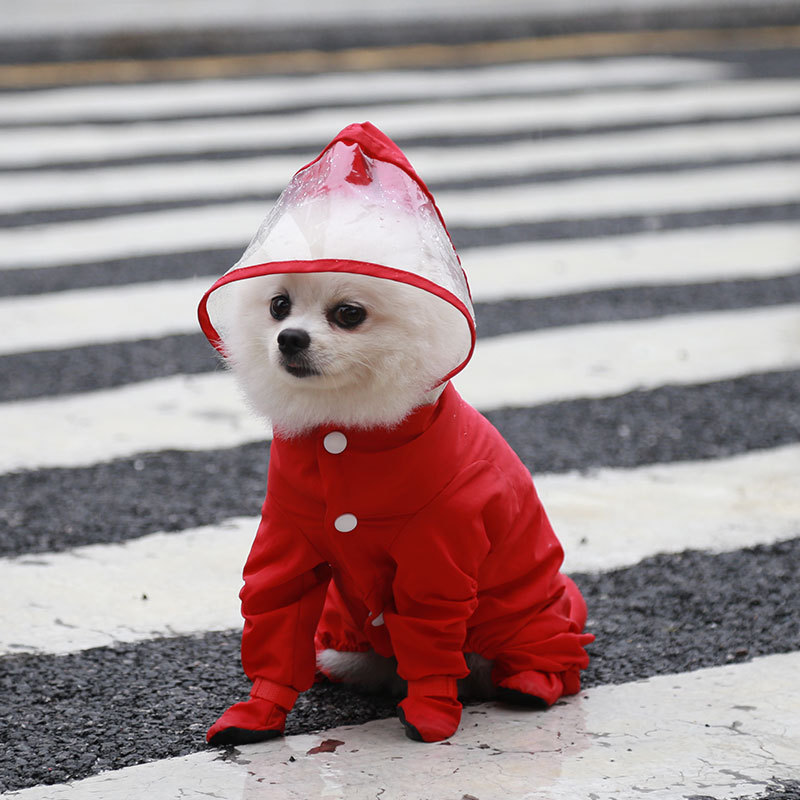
(402, 544)
(362, 354)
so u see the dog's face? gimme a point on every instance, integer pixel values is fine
(338, 348)
(318, 332)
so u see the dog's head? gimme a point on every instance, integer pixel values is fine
(339, 348)
(361, 348)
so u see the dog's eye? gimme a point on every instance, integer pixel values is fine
(348, 316)
(280, 306)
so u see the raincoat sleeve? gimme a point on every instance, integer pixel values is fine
(438, 557)
(285, 581)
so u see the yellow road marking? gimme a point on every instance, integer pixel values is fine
(402, 56)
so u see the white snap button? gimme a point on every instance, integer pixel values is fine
(335, 442)
(345, 523)
(378, 620)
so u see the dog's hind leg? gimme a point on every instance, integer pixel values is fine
(529, 682)
(344, 655)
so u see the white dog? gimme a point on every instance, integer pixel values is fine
(402, 542)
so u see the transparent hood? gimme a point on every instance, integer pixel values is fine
(359, 207)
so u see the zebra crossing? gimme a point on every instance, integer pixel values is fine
(629, 228)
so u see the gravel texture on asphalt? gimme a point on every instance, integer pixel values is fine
(74, 715)
(48, 373)
(780, 790)
(103, 366)
(118, 272)
(56, 509)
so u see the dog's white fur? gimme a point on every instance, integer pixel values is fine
(371, 376)
(376, 673)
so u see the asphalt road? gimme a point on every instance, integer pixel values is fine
(74, 711)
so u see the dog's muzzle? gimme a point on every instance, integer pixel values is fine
(293, 344)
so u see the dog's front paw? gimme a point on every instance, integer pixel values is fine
(431, 712)
(244, 723)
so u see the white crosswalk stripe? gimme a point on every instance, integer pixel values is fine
(30, 147)
(91, 316)
(532, 269)
(706, 137)
(543, 269)
(266, 175)
(229, 96)
(231, 224)
(198, 412)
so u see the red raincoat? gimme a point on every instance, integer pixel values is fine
(436, 542)
(422, 542)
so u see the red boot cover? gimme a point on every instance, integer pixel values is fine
(261, 717)
(531, 688)
(431, 712)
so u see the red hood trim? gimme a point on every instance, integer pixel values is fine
(333, 265)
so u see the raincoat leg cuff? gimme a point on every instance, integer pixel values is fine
(283, 696)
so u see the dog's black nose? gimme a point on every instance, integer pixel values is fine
(293, 340)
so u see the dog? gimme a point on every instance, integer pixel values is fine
(402, 544)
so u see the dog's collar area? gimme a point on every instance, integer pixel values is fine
(335, 439)
(375, 439)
